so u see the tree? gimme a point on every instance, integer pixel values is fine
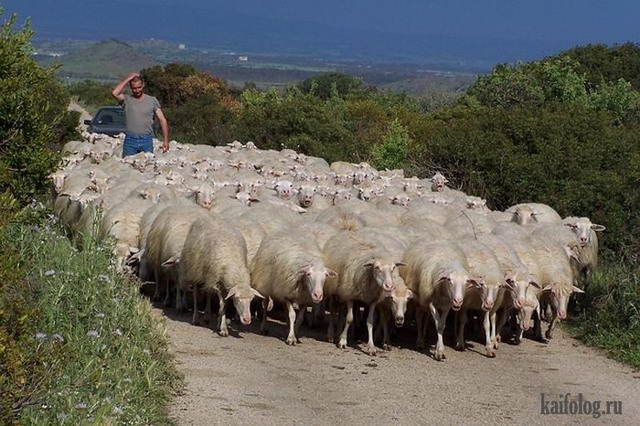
(33, 115)
(326, 85)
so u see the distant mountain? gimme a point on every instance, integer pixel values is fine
(107, 60)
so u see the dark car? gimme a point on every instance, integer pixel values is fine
(109, 120)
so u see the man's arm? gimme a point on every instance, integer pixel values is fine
(165, 129)
(117, 91)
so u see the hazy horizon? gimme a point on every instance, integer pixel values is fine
(458, 31)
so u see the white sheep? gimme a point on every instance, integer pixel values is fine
(366, 270)
(214, 260)
(289, 268)
(438, 275)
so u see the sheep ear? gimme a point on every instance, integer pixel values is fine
(571, 253)
(597, 228)
(577, 290)
(533, 283)
(410, 294)
(547, 287)
(256, 293)
(331, 273)
(173, 260)
(571, 225)
(401, 264)
(232, 292)
(475, 282)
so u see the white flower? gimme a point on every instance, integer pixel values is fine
(117, 411)
(49, 273)
(81, 406)
(92, 333)
(100, 315)
(58, 337)
(117, 332)
(41, 336)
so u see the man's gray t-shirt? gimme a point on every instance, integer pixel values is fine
(140, 113)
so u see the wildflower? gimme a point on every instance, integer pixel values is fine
(128, 381)
(49, 273)
(146, 351)
(118, 332)
(117, 411)
(61, 417)
(92, 333)
(41, 336)
(58, 338)
(100, 315)
(81, 406)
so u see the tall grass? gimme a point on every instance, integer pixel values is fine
(611, 317)
(105, 353)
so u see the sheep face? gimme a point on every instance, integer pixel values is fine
(582, 228)
(558, 297)
(438, 182)
(384, 273)
(313, 278)
(455, 284)
(518, 286)
(242, 297)
(399, 302)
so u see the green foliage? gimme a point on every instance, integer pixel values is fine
(332, 84)
(602, 64)
(391, 152)
(33, 115)
(164, 82)
(611, 317)
(530, 84)
(92, 94)
(78, 344)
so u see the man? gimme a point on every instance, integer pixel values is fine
(139, 111)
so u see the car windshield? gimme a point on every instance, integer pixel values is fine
(111, 116)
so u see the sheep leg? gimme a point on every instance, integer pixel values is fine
(537, 325)
(502, 320)
(222, 317)
(487, 335)
(494, 337)
(167, 292)
(194, 319)
(263, 325)
(371, 347)
(552, 325)
(462, 321)
(291, 338)
(342, 344)
(179, 293)
(299, 319)
(331, 327)
(420, 318)
(208, 309)
(384, 323)
(441, 320)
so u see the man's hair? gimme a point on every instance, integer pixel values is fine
(135, 80)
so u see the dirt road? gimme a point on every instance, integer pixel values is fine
(249, 378)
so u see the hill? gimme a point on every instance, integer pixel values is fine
(105, 60)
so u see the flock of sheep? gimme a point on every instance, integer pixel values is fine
(291, 230)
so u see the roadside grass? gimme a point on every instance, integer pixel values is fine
(611, 317)
(100, 351)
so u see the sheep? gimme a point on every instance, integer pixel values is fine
(165, 241)
(438, 275)
(393, 305)
(483, 264)
(469, 224)
(289, 268)
(214, 260)
(366, 270)
(579, 235)
(527, 213)
(557, 278)
(122, 222)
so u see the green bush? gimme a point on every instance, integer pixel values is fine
(78, 344)
(92, 95)
(33, 116)
(391, 152)
(611, 317)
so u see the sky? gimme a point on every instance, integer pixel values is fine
(493, 30)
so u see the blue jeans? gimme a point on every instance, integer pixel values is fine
(134, 144)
